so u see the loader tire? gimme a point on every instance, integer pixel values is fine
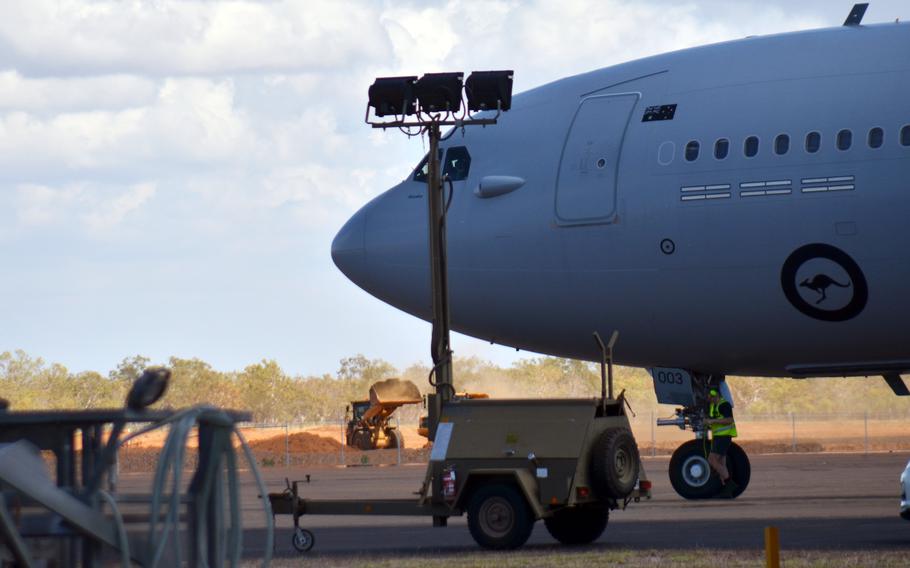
(614, 464)
(578, 525)
(396, 440)
(362, 440)
(499, 517)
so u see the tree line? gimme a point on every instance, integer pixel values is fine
(275, 396)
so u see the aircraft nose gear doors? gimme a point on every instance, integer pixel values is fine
(690, 473)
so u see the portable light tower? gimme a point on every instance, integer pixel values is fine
(427, 104)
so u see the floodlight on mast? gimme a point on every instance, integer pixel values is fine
(428, 103)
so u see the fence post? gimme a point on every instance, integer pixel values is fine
(287, 446)
(653, 437)
(793, 421)
(342, 441)
(866, 431)
(400, 436)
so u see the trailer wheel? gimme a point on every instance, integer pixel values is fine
(396, 440)
(578, 525)
(690, 473)
(303, 540)
(614, 464)
(739, 467)
(362, 440)
(499, 517)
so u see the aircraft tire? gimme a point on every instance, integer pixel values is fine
(499, 517)
(690, 472)
(578, 525)
(739, 467)
(614, 464)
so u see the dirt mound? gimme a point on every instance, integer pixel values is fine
(299, 443)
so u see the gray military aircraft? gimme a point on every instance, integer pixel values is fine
(738, 208)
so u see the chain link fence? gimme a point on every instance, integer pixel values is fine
(323, 444)
(795, 432)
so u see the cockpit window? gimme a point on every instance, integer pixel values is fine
(457, 163)
(422, 169)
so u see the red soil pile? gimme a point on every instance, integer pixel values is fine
(300, 443)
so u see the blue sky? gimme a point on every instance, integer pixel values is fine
(172, 173)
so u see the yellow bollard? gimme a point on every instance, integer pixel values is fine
(772, 547)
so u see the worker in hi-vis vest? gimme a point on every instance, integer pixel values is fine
(723, 430)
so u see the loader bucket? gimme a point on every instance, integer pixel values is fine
(394, 392)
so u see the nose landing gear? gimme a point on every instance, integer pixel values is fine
(690, 473)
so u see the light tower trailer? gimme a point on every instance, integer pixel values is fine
(507, 464)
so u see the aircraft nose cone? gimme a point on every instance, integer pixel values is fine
(348, 247)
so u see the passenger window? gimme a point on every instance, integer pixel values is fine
(422, 169)
(692, 151)
(905, 136)
(781, 144)
(457, 163)
(721, 148)
(844, 139)
(750, 147)
(813, 142)
(876, 137)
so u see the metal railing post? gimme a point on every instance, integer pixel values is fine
(866, 431)
(342, 441)
(400, 436)
(653, 436)
(793, 422)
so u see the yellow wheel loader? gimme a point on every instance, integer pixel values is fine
(368, 421)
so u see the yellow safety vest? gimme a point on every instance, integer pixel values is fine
(720, 429)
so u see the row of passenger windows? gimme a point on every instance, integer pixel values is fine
(813, 143)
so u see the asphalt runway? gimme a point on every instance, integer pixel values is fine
(819, 502)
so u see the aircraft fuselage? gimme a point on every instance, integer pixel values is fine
(762, 255)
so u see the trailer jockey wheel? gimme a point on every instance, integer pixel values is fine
(499, 517)
(614, 464)
(303, 540)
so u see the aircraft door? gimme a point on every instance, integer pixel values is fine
(589, 166)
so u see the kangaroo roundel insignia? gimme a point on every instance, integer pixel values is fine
(824, 283)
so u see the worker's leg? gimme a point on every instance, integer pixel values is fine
(719, 464)
(718, 456)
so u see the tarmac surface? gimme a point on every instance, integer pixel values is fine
(819, 502)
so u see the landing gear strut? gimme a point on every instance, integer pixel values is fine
(690, 473)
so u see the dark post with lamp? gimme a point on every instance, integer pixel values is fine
(427, 104)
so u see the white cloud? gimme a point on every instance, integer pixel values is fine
(422, 39)
(113, 92)
(107, 215)
(190, 37)
(96, 209)
(41, 205)
(191, 121)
